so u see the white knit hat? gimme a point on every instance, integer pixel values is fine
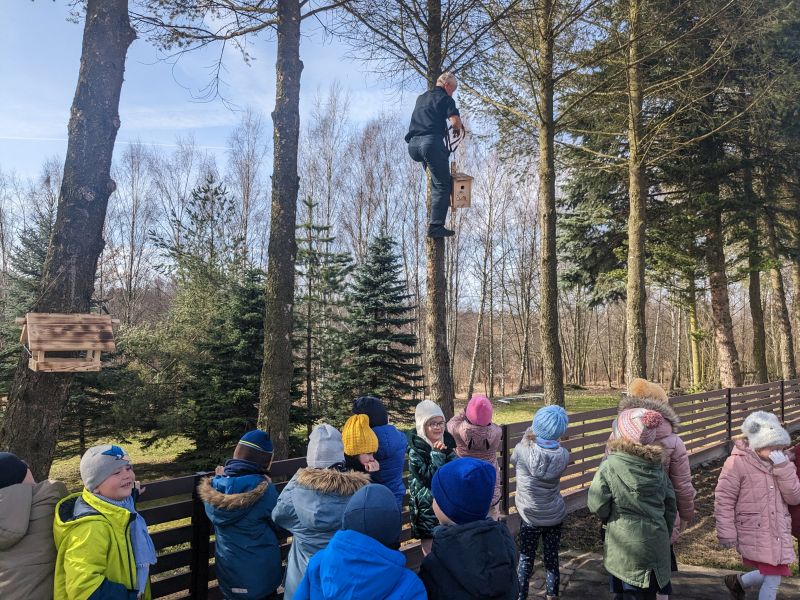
(763, 429)
(325, 447)
(425, 411)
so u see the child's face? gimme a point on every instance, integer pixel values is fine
(434, 429)
(763, 453)
(440, 515)
(370, 464)
(118, 485)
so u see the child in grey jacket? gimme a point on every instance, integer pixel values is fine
(539, 461)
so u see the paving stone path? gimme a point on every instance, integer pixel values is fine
(583, 576)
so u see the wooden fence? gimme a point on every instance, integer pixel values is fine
(183, 535)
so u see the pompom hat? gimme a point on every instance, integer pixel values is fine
(638, 425)
(357, 437)
(550, 422)
(479, 410)
(763, 429)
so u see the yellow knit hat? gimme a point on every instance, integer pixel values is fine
(357, 437)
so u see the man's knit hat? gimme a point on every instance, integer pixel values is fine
(100, 462)
(357, 437)
(463, 489)
(638, 425)
(550, 422)
(763, 429)
(373, 511)
(425, 411)
(324, 447)
(373, 408)
(479, 410)
(12, 469)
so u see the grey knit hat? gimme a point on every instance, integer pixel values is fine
(325, 447)
(100, 462)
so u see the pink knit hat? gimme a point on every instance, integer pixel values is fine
(479, 410)
(638, 425)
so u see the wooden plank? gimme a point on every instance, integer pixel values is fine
(172, 560)
(581, 467)
(71, 337)
(172, 537)
(698, 396)
(165, 488)
(64, 365)
(170, 585)
(585, 441)
(595, 426)
(77, 318)
(708, 441)
(23, 336)
(592, 415)
(704, 433)
(685, 409)
(167, 512)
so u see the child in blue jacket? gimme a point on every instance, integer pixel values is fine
(391, 454)
(239, 503)
(362, 560)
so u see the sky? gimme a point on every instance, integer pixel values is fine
(40, 55)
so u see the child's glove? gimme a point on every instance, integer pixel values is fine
(727, 543)
(777, 457)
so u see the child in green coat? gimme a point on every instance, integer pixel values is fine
(633, 495)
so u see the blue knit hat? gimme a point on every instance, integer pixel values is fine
(373, 511)
(258, 440)
(550, 422)
(463, 489)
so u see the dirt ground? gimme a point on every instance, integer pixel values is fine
(698, 545)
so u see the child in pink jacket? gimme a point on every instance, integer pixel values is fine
(476, 436)
(751, 500)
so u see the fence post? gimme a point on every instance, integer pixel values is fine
(200, 546)
(729, 416)
(783, 404)
(504, 456)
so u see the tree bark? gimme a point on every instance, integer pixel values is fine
(636, 298)
(36, 400)
(730, 372)
(788, 367)
(694, 333)
(437, 355)
(553, 370)
(761, 374)
(276, 374)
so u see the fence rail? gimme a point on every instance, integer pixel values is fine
(184, 537)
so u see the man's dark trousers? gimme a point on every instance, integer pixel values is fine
(430, 151)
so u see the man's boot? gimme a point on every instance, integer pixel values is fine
(439, 231)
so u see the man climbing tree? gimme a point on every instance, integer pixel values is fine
(425, 139)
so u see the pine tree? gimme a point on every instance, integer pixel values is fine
(382, 361)
(319, 340)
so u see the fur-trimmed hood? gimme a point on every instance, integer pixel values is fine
(672, 421)
(230, 501)
(651, 453)
(331, 481)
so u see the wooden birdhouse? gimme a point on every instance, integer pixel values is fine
(66, 343)
(461, 193)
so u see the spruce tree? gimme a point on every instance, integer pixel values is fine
(382, 361)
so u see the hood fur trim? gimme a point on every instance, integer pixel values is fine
(664, 408)
(217, 499)
(330, 481)
(652, 453)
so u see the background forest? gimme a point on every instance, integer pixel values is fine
(656, 140)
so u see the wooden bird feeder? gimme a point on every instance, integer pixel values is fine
(461, 191)
(66, 343)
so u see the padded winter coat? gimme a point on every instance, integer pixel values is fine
(470, 562)
(95, 555)
(478, 441)
(538, 471)
(675, 458)
(310, 507)
(794, 510)
(423, 462)
(391, 455)
(247, 551)
(27, 550)
(750, 506)
(633, 494)
(355, 566)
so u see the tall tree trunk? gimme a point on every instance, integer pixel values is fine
(761, 374)
(730, 372)
(276, 374)
(437, 355)
(655, 356)
(36, 400)
(788, 368)
(637, 218)
(553, 370)
(694, 335)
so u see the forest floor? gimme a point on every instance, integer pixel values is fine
(698, 544)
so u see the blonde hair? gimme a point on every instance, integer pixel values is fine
(445, 78)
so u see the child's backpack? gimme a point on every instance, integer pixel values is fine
(794, 510)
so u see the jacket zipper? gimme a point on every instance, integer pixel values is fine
(130, 550)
